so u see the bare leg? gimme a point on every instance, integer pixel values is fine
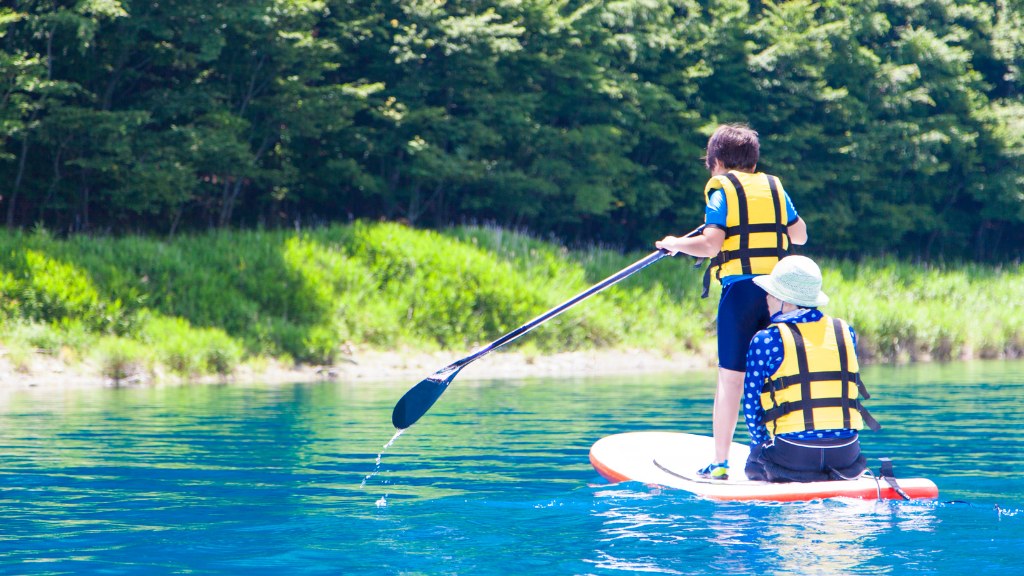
(727, 407)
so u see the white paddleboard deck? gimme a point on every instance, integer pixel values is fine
(671, 459)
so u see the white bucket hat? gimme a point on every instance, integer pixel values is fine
(795, 279)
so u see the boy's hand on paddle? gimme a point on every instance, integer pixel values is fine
(669, 244)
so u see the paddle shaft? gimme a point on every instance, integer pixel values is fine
(609, 281)
(415, 403)
(634, 268)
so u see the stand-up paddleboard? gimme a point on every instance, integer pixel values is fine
(671, 459)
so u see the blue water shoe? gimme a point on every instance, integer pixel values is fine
(715, 471)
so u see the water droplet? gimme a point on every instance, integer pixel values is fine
(376, 468)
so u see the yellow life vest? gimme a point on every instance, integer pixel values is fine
(756, 235)
(817, 384)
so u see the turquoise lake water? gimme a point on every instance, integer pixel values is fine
(493, 480)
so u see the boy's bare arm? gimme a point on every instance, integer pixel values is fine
(798, 232)
(705, 245)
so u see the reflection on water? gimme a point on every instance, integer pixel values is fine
(829, 537)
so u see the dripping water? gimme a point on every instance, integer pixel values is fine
(383, 501)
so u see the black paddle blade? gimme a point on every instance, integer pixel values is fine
(419, 399)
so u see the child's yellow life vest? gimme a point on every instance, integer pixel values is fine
(756, 235)
(817, 385)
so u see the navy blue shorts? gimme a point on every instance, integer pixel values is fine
(806, 460)
(742, 311)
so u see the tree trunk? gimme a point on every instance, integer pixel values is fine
(84, 200)
(175, 222)
(57, 177)
(12, 205)
(231, 192)
(17, 182)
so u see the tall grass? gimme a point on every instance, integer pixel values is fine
(204, 304)
(908, 312)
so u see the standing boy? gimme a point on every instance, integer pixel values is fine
(750, 223)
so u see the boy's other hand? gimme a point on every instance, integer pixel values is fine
(668, 243)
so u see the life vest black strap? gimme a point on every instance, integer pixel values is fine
(844, 390)
(862, 389)
(804, 379)
(804, 376)
(841, 335)
(780, 230)
(706, 281)
(744, 228)
(755, 228)
(781, 410)
(784, 382)
(869, 420)
(726, 255)
(789, 407)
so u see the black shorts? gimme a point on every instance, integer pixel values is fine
(742, 311)
(806, 460)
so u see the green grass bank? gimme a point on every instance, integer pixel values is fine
(205, 304)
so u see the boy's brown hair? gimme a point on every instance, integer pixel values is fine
(734, 145)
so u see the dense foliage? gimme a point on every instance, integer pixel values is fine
(204, 303)
(897, 126)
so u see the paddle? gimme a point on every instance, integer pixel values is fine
(415, 403)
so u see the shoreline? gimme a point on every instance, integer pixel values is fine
(45, 372)
(511, 364)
